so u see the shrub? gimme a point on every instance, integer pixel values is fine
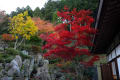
(1, 58)
(6, 57)
(25, 56)
(25, 47)
(8, 37)
(0, 36)
(52, 61)
(12, 51)
(10, 44)
(10, 58)
(35, 40)
(36, 49)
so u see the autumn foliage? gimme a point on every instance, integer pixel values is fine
(43, 26)
(8, 37)
(72, 35)
(22, 26)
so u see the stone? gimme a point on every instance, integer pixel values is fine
(31, 65)
(7, 78)
(18, 78)
(39, 59)
(18, 59)
(1, 64)
(3, 45)
(15, 66)
(43, 71)
(7, 66)
(3, 72)
(1, 48)
(25, 52)
(14, 71)
(26, 78)
(26, 64)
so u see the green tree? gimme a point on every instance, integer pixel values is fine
(22, 10)
(49, 9)
(3, 22)
(30, 12)
(37, 12)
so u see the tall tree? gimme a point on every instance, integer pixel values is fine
(22, 10)
(30, 12)
(71, 36)
(52, 6)
(3, 22)
(37, 12)
(71, 39)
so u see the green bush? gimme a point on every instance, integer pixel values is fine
(10, 55)
(9, 59)
(10, 44)
(6, 57)
(25, 47)
(0, 37)
(35, 40)
(12, 51)
(36, 49)
(1, 58)
(24, 56)
(52, 61)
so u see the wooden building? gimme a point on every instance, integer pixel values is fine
(107, 40)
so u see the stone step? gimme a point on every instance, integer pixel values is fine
(19, 78)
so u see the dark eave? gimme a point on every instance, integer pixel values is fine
(107, 24)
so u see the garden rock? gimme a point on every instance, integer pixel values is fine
(31, 66)
(39, 59)
(3, 45)
(1, 64)
(1, 73)
(15, 65)
(7, 78)
(25, 52)
(26, 64)
(43, 71)
(7, 66)
(18, 59)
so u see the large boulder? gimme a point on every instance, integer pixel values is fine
(26, 65)
(25, 52)
(42, 72)
(15, 66)
(18, 59)
(31, 65)
(7, 78)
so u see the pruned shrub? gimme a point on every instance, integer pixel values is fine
(24, 56)
(36, 49)
(25, 47)
(6, 57)
(12, 51)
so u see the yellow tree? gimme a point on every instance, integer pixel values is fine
(22, 27)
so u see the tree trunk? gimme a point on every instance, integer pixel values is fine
(18, 44)
(15, 45)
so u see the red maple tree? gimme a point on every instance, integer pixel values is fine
(72, 35)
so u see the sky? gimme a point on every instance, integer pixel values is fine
(11, 5)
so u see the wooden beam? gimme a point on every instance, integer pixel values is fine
(114, 11)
